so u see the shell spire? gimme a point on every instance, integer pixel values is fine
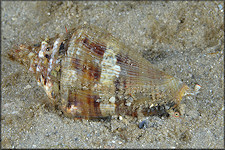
(22, 54)
(88, 73)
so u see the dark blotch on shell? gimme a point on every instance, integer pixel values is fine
(62, 49)
(47, 56)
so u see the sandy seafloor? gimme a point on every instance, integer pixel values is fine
(185, 39)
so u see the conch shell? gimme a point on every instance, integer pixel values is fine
(87, 73)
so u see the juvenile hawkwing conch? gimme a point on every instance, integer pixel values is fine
(87, 73)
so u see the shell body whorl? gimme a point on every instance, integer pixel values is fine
(88, 74)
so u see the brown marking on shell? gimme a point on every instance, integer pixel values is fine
(94, 72)
(91, 71)
(76, 64)
(83, 104)
(94, 46)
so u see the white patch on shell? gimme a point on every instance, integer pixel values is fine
(96, 61)
(50, 65)
(56, 47)
(112, 99)
(78, 51)
(110, 69)
(39, 83)
(54, 52)
(70, 77)
(44, 46)
(57, 61)
(107, 109)
(47, 87)
(71, 48)
(31, 69)
(129, 101)
(128, 104)
(38, 69)
(73, 110)
(31, 54)
(41, 54)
